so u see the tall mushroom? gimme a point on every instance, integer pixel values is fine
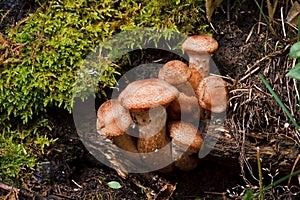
(146, 100)
(186, 142)
(199, 48)
(186, 106)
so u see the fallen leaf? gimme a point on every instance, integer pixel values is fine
(292, 16)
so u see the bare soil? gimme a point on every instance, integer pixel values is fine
(247, 47)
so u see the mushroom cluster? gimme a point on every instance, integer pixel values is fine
(164, 110)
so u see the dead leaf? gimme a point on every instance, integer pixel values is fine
(165, 192)
(210, 6)
(292, 16)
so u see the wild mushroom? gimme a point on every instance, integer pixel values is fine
(212, 94)
(186, 106)
(186, 142)
(199, 48)
(112, 121)
(146, 100)
(177, 73)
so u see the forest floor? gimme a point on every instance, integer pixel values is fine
(247, 47)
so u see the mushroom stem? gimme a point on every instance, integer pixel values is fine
(186, 142)
(200, 62)
(187, 162)
(152, 129)
(199, 48)
(125, 142)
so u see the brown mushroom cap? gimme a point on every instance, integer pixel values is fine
(185, 134)
(212, 94)
(200, 43)
(112, 118)
(186, 142)
(147, 93)
(174, 72)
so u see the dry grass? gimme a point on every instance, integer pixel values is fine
(254, 117)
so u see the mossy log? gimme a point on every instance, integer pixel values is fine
(280, 153)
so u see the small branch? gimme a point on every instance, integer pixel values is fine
(293, 169)
(22, 192)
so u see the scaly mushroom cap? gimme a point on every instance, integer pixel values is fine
(185, 134)
(212, 94)
(147, 93)
(174, 72)
(113, 119)
(200, 43)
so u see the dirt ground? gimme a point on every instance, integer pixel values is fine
(245, 44)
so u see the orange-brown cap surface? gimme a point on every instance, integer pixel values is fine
(185, 134)
(212, 94)
(200, 43)
(174, 72)
(147, 93)
(113, 119)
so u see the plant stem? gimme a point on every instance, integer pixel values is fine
(298, 27)
(262, 13)
(261, 186)
(276, 183)
(279, 102)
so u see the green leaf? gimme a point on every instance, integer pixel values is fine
(295, 50)
(248, 195)
(294, 72)
(114, 185)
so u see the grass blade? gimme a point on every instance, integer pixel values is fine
(279, 102)
(276, 183)
(262, 13)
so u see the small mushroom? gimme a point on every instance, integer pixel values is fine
(112, 121)
(146, 100)
(212, 94)
(186, 142)
(186, 106)
(199, 48)
(177, 73)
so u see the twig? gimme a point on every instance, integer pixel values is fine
(293, 168)
(22, 192)
(3, 17)
(249, 74)
(271, 8)
(272, 185)
(252, 69)
(212, 26)
(168, 188)
(282, 22)
(250, 33)
(228, 10)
